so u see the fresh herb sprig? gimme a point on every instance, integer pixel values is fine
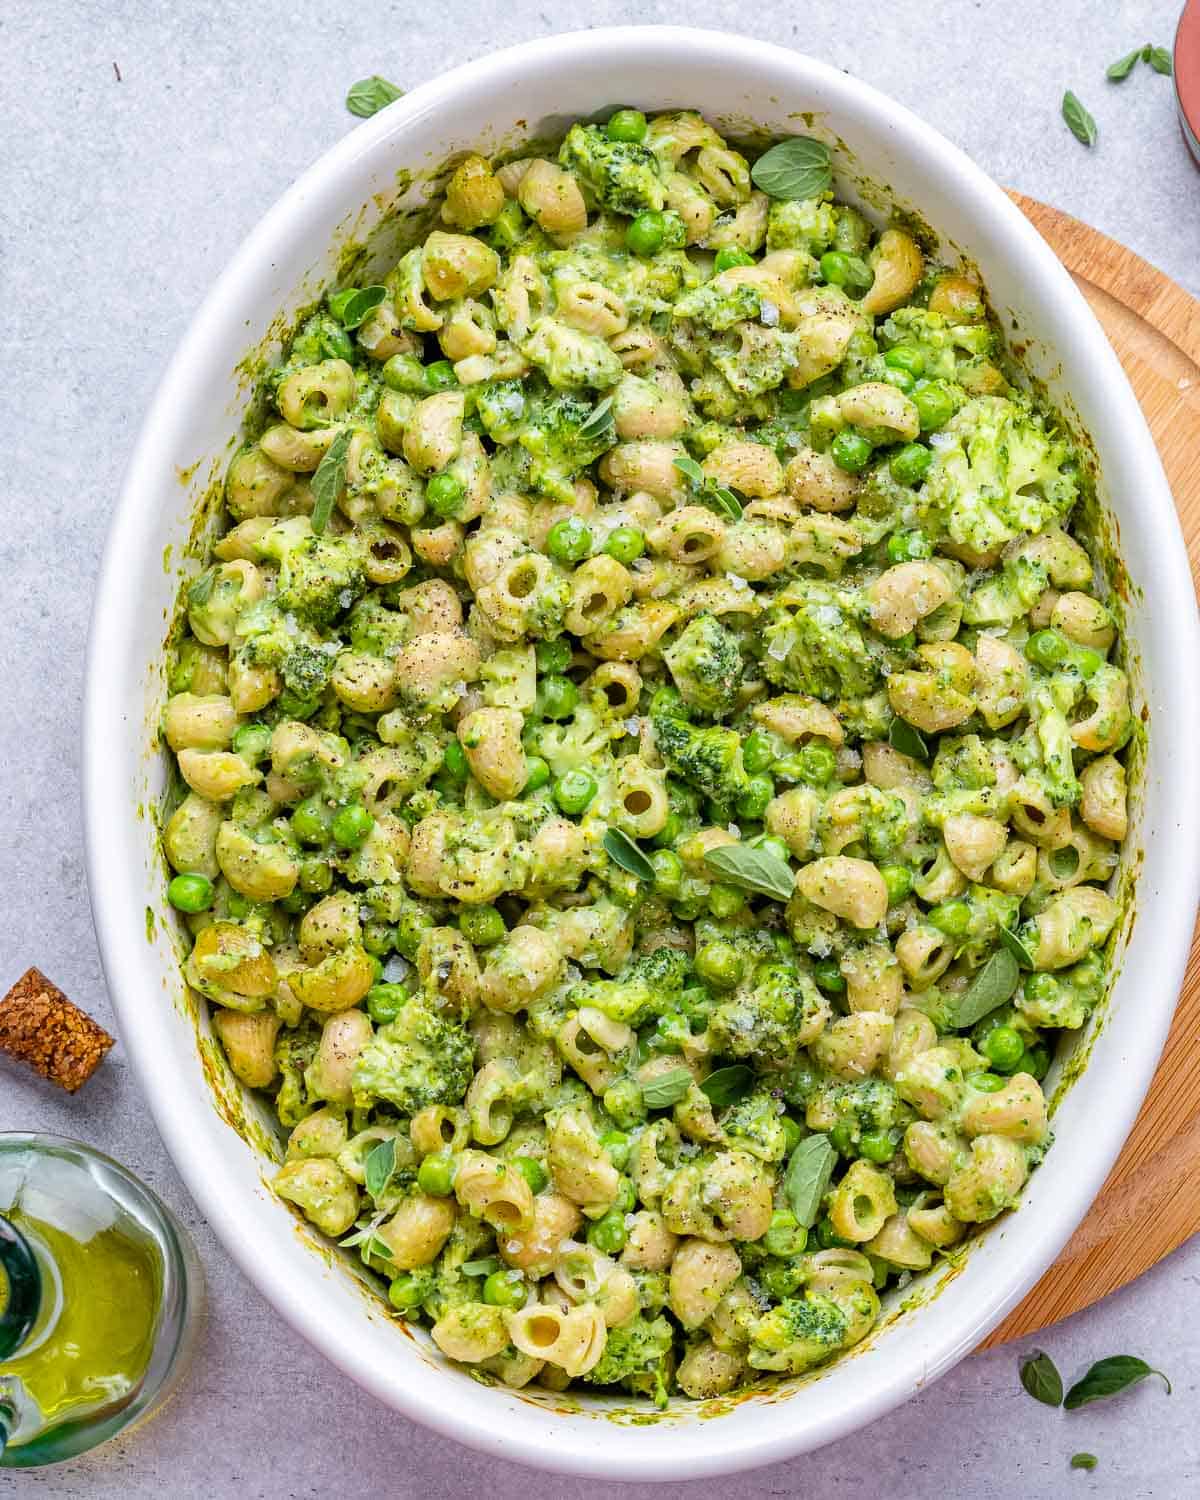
(369, 95)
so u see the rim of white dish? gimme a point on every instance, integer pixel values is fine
(701, 1449)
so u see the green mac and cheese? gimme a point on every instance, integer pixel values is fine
(651, 745)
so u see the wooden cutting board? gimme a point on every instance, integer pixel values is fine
(1151, 1201)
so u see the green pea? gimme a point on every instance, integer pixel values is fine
(901, 379)
(627, 125)
(436, 1174)
(1042, 988)
(406, 1292)
(190, 893)
(385, 1002)
(410, 929)
(719, 963)
(909, 465)
(986, 1083)
(669, 832)
(556, 697)
(626, 1196)
(296, 902)
(782, 1278)
(828, 975)
(793, 1134)
(816, 763)
(785, 1236)
(403, 372)
(648, 232)
(771, 845)
(905, 357)
(445, 494)
(532, 1171)
(454, 761)
(338, 344)
(252, 742)
(315, 876)
(310, 820)
(951, 917)
(877, 1146)
(351, 825)
(553, 656)
(537, 774)
(752, 804)
(829, 1239)
(504, 1289)
(725, 901)
(574, 790)
(569, 540)
(617, 1146)
(840, 269)
(668, 872)
(667, 703)
(376, 964)
(625, 543)
(624, 1102)
(1035, 1061)
(898, 879)
(758, 752)
(934, 403)
(1047, 649)
(730, 256)
(481, 925)
(440, 376)
(842, 1138)
(1004, 1047)
(608, 1234)
(378, 937)
(850, 451)
(909, 546)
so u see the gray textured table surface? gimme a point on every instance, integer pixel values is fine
(120, 197)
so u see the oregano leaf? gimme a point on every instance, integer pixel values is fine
(329, 480)
(799, 167)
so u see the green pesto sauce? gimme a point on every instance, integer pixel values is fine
(92, 1343)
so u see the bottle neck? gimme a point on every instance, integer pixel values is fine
(21, 1286)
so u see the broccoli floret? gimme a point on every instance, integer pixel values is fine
(817, 648)
(294, 1053)
(578, 742)
(711, 759)
(557, 452)
(720, 303)
(1065, 999)
(755, 1124)
(801, 224)
(1051, 700)
(996, 474)
(620, 174)
(767, 1018)
(941, 342)
(755, 359)
(868, 1105)
(1004, 597)
(645, 988)
(376, 629)
(633, 1348)
(320, 577)
(420, 1058)
(800, 1332)
(707, 666)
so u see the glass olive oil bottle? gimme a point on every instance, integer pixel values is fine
(99, 1289)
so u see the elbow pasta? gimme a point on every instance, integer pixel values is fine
(694, 685)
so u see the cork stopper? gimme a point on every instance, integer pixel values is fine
(40, 1026)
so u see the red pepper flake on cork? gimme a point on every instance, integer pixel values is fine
(40, 1026)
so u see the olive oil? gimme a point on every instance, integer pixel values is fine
(109, 1288)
